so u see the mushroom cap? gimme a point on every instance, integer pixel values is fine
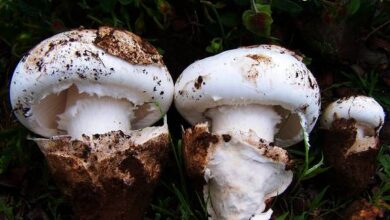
(363, 109)
(106, 63)
(264, 75)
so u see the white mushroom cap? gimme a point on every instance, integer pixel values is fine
(365, 110)
(104, 63)
(264, 75)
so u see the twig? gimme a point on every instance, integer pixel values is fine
(377, 29)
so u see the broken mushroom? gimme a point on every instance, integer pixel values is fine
(255, 100)
(88, 91)
(350, 128)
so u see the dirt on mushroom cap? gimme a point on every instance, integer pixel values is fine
(127, 46)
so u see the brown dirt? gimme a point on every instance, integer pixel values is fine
(351, 173)
(196, 142)
(127, 46)
(108, 176)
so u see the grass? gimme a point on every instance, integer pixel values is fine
(370, 86)
(180, 191)
(306, 171)
(381, 195)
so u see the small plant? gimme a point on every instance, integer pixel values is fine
(258, 19)
(216, 45)
(381, 195)
(307, 169)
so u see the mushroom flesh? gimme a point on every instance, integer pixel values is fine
(255, 100)
(87, 91)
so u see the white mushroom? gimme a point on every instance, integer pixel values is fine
(350, 130)
(84, 82)
(367, 113)
(88, 90)
(252, 97)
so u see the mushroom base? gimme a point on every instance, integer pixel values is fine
(351, 171)
(238, 173)
(108, 176)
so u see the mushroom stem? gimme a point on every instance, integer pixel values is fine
(363, 131)
(236, 162)
(94, 115)
(365, 139)
(241, 180)
(260, 119)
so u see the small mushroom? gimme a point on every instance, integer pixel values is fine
(88, 91)
(350, 128)
(255, 100)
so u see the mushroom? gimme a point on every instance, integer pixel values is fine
(350, 128)
(88, 92)
(255, 100)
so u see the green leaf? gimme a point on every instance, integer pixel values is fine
(264, 8)
(258, 23)
(287, 6)
(216, 45)
(307, 171)
(353, 7)
(385, 162)
(314, 170)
